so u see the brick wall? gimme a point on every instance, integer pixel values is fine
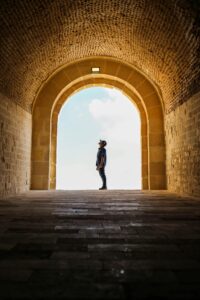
(183, 147)
(160, 38)
(15, 148)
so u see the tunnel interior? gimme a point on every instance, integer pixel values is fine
(108, 244)
(148, 49)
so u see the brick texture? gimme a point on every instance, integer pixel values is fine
(183, 147)
(159, 37)
(15, 147)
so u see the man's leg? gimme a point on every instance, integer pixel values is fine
(103, 177)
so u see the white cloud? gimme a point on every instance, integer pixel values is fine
(117, 115)
(111, 107)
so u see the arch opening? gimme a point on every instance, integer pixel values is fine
(73, 77)
(87, 116)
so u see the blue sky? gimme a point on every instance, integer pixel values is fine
(86, 117)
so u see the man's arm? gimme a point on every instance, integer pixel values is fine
(102, 162)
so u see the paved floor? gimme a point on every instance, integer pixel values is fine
(99, 245)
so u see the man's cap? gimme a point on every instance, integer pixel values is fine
(103, 142)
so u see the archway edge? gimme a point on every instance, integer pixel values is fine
(111, 83)
(111, 66)
(64, 79)
(103, 81)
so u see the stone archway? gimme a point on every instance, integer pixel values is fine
(54, 121)
(77, 75)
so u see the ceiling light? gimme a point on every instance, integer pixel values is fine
(95, 70)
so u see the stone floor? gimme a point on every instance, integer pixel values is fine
(99, 245)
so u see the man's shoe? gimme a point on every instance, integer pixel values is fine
(103, 188)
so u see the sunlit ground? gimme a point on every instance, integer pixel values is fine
(86, 117)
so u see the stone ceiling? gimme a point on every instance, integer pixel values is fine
(161, 38)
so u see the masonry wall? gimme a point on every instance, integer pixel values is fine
(15, 148)
(183, 147)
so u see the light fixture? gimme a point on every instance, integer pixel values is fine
(95, 70)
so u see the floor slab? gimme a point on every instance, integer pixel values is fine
(118, 244)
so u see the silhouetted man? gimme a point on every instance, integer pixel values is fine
(101, 163)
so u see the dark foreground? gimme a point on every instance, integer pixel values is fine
(99, 245)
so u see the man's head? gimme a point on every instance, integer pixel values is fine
(102, 143)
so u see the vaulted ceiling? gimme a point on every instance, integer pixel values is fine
(161, 38)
